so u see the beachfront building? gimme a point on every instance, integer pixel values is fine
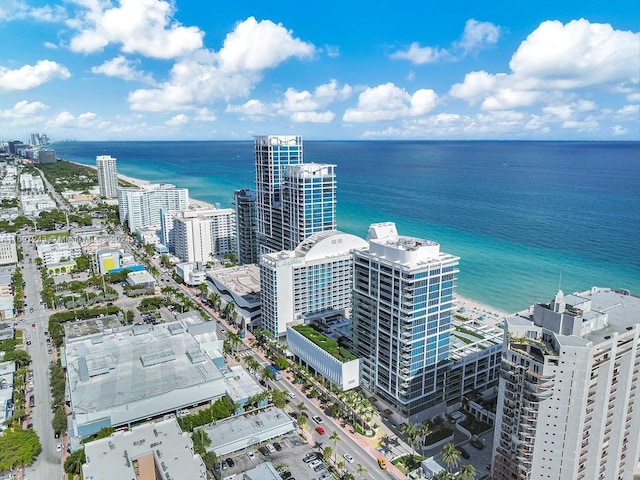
(140, 207)
(107, 176)
(308, 201)
(8, 249)
(403, 301)
(200, 235)
(315, 277)
(246, 226)
(144, 451)
(273, 154)
(568, 400)
(46, 155)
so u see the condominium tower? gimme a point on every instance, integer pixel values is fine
(107, 176)
(568, 401)
(140, 207)
(317, 276)
(403, 300)
(273, 154)
(246, 226)
(200, 235)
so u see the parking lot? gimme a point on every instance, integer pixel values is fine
(288, 459)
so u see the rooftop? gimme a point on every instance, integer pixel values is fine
(243, 280)
(138, 453)
(327, 344)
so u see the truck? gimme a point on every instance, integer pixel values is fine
(275, 371)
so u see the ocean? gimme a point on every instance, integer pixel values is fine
(525, 218)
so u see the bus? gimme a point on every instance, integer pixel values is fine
(275, 371)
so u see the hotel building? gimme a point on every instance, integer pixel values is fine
(403, 301)
(568, 401)
(273, 154)
(316, 276)
(199, 235)
(107, 176)
(8, 249)
(140, 207)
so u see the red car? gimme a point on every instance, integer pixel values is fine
(320, 430)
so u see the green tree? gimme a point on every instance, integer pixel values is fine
(18, 448)
(210, 461)
(411, 433)
(326, 452)
(467, 472)
(334, 437)
(451, 456)
(200, 441)
(252, 363)
(279, 398)
(73, 463)
(281, 363)
(21, 357)
(59, 421)
(267, 373)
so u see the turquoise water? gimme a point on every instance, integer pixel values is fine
(525, 217)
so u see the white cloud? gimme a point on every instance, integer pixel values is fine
(250, 107)
(476, 36)
(30, 76)
(66, 119)
(205, 115)
(256, 46)
(420, 55)
(557, 57)
(50, 45)
(23, 109)
(120, 67)
(629, 110)
(179, 119)
(140, 26)
(619, 130)
(633, 97)
(389, 102)
(18, 10)
(301, 101)
(232, 72)
(313, 117)
(575, 55)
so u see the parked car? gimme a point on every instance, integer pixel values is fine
(251, 455)
(230, 462)
(310, 457)
(270, 447)
(263, 451)
(477, 443)
(285, 475)
(314, 463)
(320, 430)
(277, 446)
(319, 468)
(324, 476)
(463, 452)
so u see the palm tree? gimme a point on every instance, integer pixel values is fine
(301, 407)
(279, 398)
(335, 437)
(467, 472)
(411, 433)
(361, 470)
(451, 456)
(302, 422)
(215, 300)
(234, 340)
(253, 364)
(423, 432)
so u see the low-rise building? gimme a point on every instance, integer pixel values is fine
(191, 273)
(8, 249)
(107, 259)
(141, 279)
(240, 285)
(7, 370)
(55, 253)
(148, 451)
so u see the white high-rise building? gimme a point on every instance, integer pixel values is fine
(316, 276)
(107, 176)
(200, 235)
(403, 301)
(568, 400)
(141, 207)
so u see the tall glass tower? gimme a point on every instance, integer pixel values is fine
(273, 154)
(107, 176)
(403, 301)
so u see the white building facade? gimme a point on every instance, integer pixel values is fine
(568, 401)
(52, 253)
(140, 207)
(107, 176)
(200, 235)
(8, 249)
(315, 277)
(402, 308)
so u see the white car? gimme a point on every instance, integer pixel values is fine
(270, 447)
(292, 395)
(251, 455)
(183, 413)
(317, 419)
(59, 447)
(348, 457)
(314, 464)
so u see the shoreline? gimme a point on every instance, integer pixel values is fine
(474, 309)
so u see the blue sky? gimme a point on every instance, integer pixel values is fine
(157, 70)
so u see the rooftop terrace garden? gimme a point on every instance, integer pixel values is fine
(327, 344)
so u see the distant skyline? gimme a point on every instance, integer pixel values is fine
(207, 70)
